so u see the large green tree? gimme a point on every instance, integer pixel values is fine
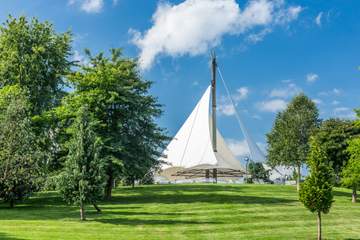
(316, 191)
(351, 172)
(19, 153)
(288, 141)
(119, 99)
(83, 178)
(333, 136)
(35, 57)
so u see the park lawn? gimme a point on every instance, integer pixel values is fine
(196, 211)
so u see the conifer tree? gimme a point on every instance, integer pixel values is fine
(83, 178)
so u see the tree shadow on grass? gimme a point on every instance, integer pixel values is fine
(4, 236)
(204, 198)
(342, 194)
(135, 222)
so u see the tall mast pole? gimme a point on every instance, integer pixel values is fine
(213, 94)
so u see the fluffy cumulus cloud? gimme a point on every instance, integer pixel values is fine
(194, 26)
(238, 147)
(312, 77)
(89, 6)
(225, 107)
(272, 105)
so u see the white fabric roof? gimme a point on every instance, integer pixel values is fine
(192, 147)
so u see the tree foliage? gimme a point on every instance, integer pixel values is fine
(288, 141)
(83, 177)
(333, 136)
(351, 172)
(316, 191)
(258, 172)
(19, 154)
(35, 58)
(118, 98)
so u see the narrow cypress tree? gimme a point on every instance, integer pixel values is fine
(83, 179)
(316, 191)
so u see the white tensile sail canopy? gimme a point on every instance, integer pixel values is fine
(191, 148)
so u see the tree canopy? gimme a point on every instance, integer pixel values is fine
(118, 99)
(20, 158)
(316, 191)
(83, 178)
(288, 141)
(333, 136)
(35, 57)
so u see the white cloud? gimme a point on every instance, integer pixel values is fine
(335, 102)
(286, 92)
(89, 6)
(344, 112)
(312, 77)
(226, 109)
(238, 148)
(78, 57)
(194, 26)
(258, 37)
(317, 101)
(225, 106)
(241, 94)
(273, 105)
(318, 19)
(333, 92)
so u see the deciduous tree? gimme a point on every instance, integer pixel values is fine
(333, 136)
(351, 172)
(19, 153)
(316, 191)
(288, 141)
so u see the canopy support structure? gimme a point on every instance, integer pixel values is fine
(213, 95)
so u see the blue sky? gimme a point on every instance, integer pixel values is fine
(268, 51)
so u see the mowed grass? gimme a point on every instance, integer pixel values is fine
(196, 211)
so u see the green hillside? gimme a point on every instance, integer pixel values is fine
(201, 211)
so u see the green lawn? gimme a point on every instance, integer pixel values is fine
(201, 211)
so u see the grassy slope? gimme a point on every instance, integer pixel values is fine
(183, 212)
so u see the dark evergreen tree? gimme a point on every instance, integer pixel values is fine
(83, 179)
(258, 172)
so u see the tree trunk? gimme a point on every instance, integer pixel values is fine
(109, 186)
(354, 195)
(97, 208)
(298, 178)
(12, 203)
(82, 212)
(319, 225)
(133, 183)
